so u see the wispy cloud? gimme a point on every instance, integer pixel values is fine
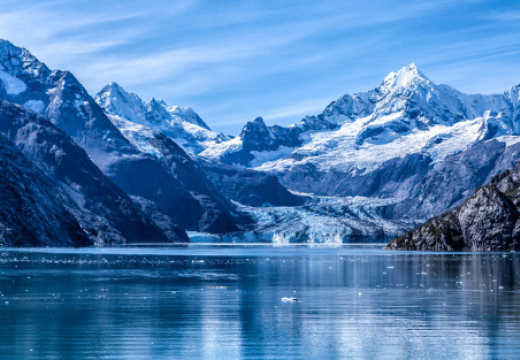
(236, 60)
(298, 110)
(503, 16)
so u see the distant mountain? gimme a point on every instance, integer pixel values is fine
(390, 142)
(406, 114)
(181, 124)
(370, 167)
(151, 183)
(140, 122)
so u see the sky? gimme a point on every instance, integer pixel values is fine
(232, 61)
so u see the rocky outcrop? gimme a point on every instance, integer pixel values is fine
(487, 221)
(257, 137)
(249, 187)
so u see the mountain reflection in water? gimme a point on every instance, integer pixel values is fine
(226, 303)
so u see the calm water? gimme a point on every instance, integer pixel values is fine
(201, 302)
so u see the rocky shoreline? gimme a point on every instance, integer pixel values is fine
(489, 220)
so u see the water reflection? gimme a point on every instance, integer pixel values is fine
(226, 304)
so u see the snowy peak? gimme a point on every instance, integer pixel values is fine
(187, 114)
(15, 65)
(113, 87)
(156, 113)
(181, 124)
(60, 96)
(406, 114)
(116, 101)
(407, 90)
(408, 76)
(16, 59)
(256, 128)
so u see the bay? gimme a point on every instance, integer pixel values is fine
(225, 302)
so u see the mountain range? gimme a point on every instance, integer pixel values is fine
(115, 169)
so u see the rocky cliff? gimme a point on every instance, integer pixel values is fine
(104, 211)
(32, 211)
(489, 220)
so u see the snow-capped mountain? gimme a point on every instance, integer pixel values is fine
(155, 184)
(104, 211)
(370, 167)
(182, 124)
(406, 114)
(380, 143)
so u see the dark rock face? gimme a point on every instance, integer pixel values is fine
(459, 175)
(487, 221)
(103, 209)
(32, 211)
(257, 136)
(249, 187)
(399, 177)
(449, 183)
(67, 104)
(177, 178)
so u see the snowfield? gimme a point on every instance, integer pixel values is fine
(406, 114)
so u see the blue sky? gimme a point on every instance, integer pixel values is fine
(235, 60)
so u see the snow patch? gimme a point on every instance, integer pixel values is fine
(12, 85)
(266, 156)
(35, 105)
(137, 134)
(509, 140)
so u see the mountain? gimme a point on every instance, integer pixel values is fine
(371, 166)
(488, 221)
(249, 187)
(406, 114)
(137, 122)
(390, 142)
(181, 124)
(152, 183)
(32, 211)
(104, 211)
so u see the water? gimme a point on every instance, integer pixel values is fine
(203, 302)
